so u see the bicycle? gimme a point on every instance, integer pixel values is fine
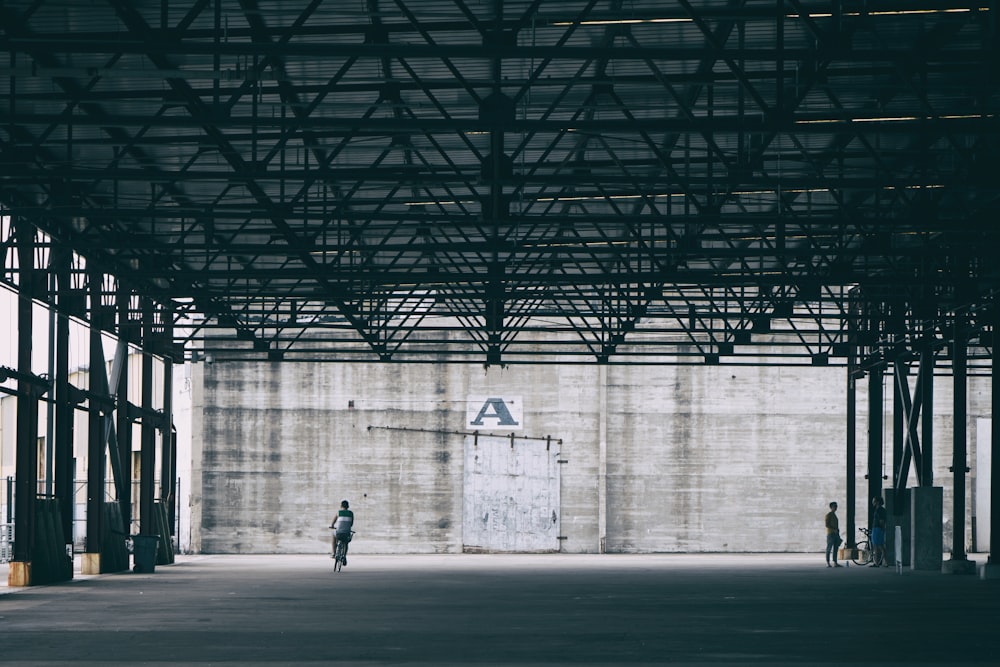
(340, 554)
(863, 553)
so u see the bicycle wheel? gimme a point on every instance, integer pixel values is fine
(338, 558)
(862, 553)
(880, 561)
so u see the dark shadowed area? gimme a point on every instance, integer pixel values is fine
(506, 610)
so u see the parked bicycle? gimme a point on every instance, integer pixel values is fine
(864, 554)
(340, 554)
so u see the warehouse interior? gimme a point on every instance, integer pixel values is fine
(416, 183)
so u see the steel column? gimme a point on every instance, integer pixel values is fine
(959, 365)
(168, 444)
(48, 472)
(875, 421)
(26, 454)
(123, 417)
(851, 456)
(64, 402)
(995, 444)
(147, 455)
(95, 439)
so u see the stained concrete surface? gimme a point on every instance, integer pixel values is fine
(550, 609)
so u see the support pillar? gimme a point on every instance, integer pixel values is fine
(95, 435)
(602, 470)
(991, 570)
(849, 542)
(959, 562)
(64, 403)
(147, 454)
(123, 418)
(852, 420)
(897, 513)
(168, 448)
(874, 476)
(26, 440)
(926, 506)
(168, 439)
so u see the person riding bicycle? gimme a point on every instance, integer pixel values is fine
(342, 525)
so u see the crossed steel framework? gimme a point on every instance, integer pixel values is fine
(530, 181)
(698, 181)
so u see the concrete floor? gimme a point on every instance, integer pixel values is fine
(505, 610)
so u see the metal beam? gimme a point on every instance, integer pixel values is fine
(875, 440)
(147, 455)
(26, 452)
(96, 464)
(911, 415)
(959, 468)
(127, 331)
(64, 396)
(624, 169)
(850, 459)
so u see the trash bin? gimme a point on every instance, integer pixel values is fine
(144, 548)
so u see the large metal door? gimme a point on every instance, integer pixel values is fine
(511, 495)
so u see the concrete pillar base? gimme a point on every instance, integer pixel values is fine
(926, 506)
(897, 507)
(20, 574)
(90, 563)
(958, 566)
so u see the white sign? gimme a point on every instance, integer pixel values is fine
(494, 413)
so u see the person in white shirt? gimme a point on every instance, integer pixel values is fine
(342, 525)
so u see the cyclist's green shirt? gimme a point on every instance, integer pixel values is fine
(344, 522)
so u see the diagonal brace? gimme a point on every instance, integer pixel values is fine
(911, 416)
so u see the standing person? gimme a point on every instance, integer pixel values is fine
(832, 535)
(342, 525)
(878, 532)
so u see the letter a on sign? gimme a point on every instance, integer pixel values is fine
(494, 413)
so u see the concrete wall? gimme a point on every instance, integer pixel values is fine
(282, 445)
(656, 459)
(722, 459)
